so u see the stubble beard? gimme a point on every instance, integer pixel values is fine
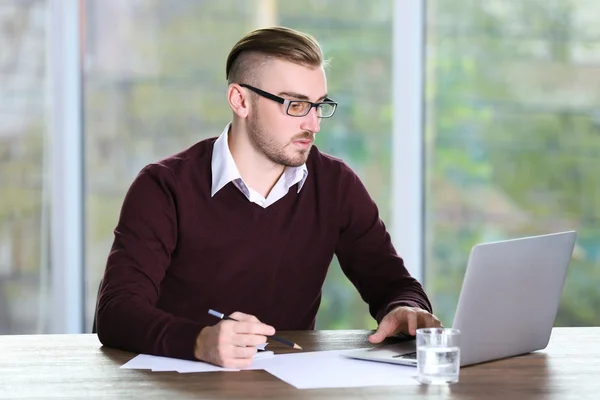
(263, 142)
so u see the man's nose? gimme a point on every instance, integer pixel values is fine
(311, 121)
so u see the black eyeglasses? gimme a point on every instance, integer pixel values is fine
(298, 108)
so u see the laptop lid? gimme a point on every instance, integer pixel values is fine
(510, 296)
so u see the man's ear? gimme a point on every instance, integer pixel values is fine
(239, 100)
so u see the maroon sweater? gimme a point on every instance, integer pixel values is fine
(178, 252)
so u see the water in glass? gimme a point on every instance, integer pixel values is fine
(438, 365)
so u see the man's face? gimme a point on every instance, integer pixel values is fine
(284, 139)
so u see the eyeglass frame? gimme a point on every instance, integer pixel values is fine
(288, 102)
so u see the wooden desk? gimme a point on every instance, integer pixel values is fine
(78, 367)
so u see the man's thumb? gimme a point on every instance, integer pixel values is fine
(379, 334)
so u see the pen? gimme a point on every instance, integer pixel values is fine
(278, 339)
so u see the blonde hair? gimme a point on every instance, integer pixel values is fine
(261, 45)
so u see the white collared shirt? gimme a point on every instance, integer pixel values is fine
(224, 171)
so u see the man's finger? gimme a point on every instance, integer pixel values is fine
(254, 328)
(244, 352)
(390, 324)
(250, 340)
(385, 329)
(240, 316)
(429, 320)
(377, 337)
(411, 321)
(425, 320)
(237, 363)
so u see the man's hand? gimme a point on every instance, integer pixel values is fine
(232, 344)
(403, 320)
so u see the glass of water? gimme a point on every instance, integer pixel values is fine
(438, 355)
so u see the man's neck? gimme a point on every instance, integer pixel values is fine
(258, 172)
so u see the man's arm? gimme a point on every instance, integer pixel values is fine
(145, 237)
(367, 255)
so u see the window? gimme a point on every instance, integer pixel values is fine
(512, 138)
(510, 134)
(24, 168)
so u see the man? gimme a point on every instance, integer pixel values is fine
(248, 223)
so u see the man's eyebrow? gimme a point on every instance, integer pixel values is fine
(299, 96)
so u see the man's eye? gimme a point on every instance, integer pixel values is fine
(298, 106)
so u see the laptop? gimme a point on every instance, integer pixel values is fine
(508, 302)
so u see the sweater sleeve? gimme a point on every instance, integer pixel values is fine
(145, 237)
(367, 255)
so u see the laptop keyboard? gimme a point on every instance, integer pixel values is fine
(412, 355)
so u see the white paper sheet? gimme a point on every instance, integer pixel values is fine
(303, 370)
(187, 368)
(329, 369)
(158, 364)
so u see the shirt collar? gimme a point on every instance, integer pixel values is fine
(224, 169)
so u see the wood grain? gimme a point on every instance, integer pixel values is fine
(79, 367)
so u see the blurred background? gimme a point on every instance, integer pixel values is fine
(507, 140)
